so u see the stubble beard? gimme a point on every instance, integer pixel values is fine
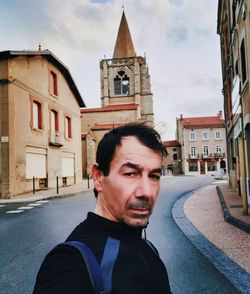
(137, 220)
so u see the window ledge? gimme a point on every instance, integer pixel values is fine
(54, 96)
(68, 139)
(37, 130)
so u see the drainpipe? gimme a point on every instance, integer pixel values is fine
(243, 174)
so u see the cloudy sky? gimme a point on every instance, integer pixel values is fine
(178, 37)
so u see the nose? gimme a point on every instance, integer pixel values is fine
(144, 188)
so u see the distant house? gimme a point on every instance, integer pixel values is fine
(40, 123)
(172, 163)
(203, 144)
(125, 95)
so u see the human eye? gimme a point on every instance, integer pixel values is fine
(155, 177)
(130, 174)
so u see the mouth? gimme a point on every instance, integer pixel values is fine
(141, 211)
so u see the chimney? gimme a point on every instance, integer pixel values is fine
(219, 114)
(181, 117)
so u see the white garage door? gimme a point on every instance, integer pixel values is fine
(67, 166)
(35, 165)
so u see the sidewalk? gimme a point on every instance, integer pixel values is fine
(224, 244)
(50, 193)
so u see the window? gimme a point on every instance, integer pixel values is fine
(233, 13)
(121, 84)
(36, 115)
(53, 83)
(243, 61)
(175, 156)
(217, 135)
(68, 131)
(205, 136)
(193, 151)
(192, 136)
(54, 125)
(205, 151)
(218, 148)
(211, 166)
(193, 166)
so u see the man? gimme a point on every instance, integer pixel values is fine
(126, 179)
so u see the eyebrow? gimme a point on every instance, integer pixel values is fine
(137, 166)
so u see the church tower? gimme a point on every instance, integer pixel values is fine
(125, 79)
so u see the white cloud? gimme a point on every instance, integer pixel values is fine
(178, 36)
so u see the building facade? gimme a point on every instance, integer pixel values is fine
(40, 123)
(203, 145)
(233, 26)
(172, 162)
(125, 94)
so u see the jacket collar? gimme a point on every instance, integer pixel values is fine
(114, 229)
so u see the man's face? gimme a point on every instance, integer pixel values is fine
(129, 192)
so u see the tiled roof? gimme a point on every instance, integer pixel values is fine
(171, 143)
(117, 107)
(101, 127)
(202, 121)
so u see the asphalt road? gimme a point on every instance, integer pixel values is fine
(27, 236)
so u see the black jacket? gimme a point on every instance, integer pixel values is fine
(137, 269)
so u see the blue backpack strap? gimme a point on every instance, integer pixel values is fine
(110, 254)
(100, 275)
(91, 264)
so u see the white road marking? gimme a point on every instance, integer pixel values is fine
(1, 205)
(14, 211)
(29, 206)
(34, 204)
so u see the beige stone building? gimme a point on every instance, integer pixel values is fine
(203, 145)
(172, 163)
(125, 94)
(39, 123)
(233, 26)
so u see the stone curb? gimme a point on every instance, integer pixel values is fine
(239, 277)
(227, 215)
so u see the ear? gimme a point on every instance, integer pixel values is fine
(97, 177)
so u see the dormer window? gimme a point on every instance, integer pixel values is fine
(121, 84)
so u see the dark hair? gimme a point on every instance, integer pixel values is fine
(107, 146)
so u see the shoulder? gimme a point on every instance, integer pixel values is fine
(63, 271)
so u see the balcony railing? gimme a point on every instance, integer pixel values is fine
(206, 155)
(219, 155)
(56, 139)
(193, 156)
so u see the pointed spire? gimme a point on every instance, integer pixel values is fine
(124, 45)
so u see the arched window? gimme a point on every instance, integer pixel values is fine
(121, 84)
